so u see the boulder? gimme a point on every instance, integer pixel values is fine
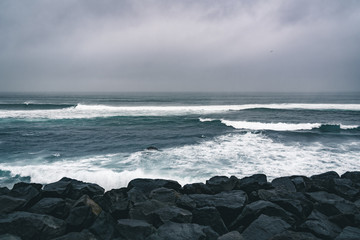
(323, 182)
(283, 184)
(165, 195)
(318, 224)
(253, 183)
(30, 192)
(71, 188)
(135, 195)
(196, 188)
(9, 237)
(104, 227)
(345, 188)
(51, 206)
(4, 191)
(183, 231)
(80, 218)
(9, 204)
(85, 200)
(132, 229)
(186, 202)
(209, 216)
(349, 233)
(115, 202)
(234, 235)
(171, 213)
(290, 235)
(264, 228)
(83, 235)
(301, 183)
(219, 184)
(31, 225)
(253, 210)
(353, 176)
(147, 185)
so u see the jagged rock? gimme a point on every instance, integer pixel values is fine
(186, 202)
(349, 233)
(209, 216)
(323, 182)
(115, 202)
(283, 184)
(219, 184)
(135, 195)
(9, 204)
(183, 231)
(4, 191)
(83, 235)
(80, 218)
(234, 235)
(290, 235)
(142, 210)
(51, 206)
(9, 237)
(196, 188)
(132, 229)
(104, 227)
(325, 176)
(85, 200)
(31, 225)
(165, 195)
(345, 188)
(320, 226)
(265, 227)
(229, 204)
(173, 214)
(147, 185)
(30, 192)
(255, 209)
(72, 188)
(353, 176)
(252, 183)
(152, 148)
(301, 183)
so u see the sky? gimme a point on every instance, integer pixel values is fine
(179, 45)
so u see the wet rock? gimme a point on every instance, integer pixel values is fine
(85, 200)
(323, 182)
(255, 209)
(345, 188)
(209, 216)
(234, 235)
(152, 148)
(115, 202)
(9, 204)
(30, 192)
(349, 233)
(173, 214)
(165, 195)
(301, 183)
(183, 231)
(265, 227)
(142, 210)
(325, 176)
(9, 237)
(135, 195)
(131, 229)
(318, 224)
(290, 235)
(219, 184)
(104, 227)
(147, 185)
(83, 235)
(80, 218)
(31, 225)
(253, 183)
(283, 184)
(72, 188)
(186, 202)
(51, 206)
(353, 176)
(4, 191)
(196, 188)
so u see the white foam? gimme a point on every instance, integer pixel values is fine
(233, 154)
(92, 111)
(270, 126)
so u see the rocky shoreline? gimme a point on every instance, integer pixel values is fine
(325, 206)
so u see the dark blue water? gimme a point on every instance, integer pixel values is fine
(103, 138)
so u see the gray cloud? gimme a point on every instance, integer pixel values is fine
(186, 45)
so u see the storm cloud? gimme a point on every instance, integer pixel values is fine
(165, 45)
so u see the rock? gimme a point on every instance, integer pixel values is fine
(323, 182)
(152, 148)
(142, 210)
(196, 188)
(234, 235)
(83, 235)
(187, 203)
(165, 195)
(209, 216)
(325, 176)
(265, 227)
(115, 202)
(229, 204)
(9, 237)
(183, 231)
(349, 233)
(320, 226)
(72, 188)
(85, 200)
(290, 235)
(353, 176)
(131, 229)
(4, 191)
(301, 183)
(104, 227)
(9, 204)
(255, 209)
(80, 218)
(252, 183)
(147, 185)
(135, 195)
(345, 188)
(219, 184)
(51, 206)
(31, 225)
(171, 213)
(30, 192)
(283, 184)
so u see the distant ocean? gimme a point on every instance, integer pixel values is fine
(104, 138)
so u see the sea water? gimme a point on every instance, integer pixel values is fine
(103, 138)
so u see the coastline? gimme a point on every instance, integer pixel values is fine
(324, 206)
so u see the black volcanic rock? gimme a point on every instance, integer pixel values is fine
(291, 235)
(9, 204)
(209, 216)
(219, 184)
(51, 206)
(283, 184)
(104, 227)
(196, 188)
(83, 235)
(30, 192)
(147, 185)
(165, 195)
(115, 202)
(234, 235)
(252, 183)
(349, 233)
(132, 229)
(353, 176)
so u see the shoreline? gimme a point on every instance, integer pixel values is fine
(324, 206)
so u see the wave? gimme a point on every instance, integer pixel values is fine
(53, 111)
(239, 154)
(283, 126)
(34, 106)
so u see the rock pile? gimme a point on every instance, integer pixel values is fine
(324, 206)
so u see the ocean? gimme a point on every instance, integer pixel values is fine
(104, 138)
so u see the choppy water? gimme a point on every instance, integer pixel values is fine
(103, 138)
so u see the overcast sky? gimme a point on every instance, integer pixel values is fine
(184, 45)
